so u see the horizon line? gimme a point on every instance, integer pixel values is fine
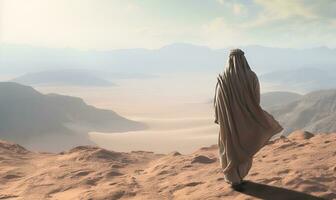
(163, 46)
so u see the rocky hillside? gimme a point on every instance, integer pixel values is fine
(302, 166)
(53, 122)
(306, 79)
(314, 112)
(278, 98)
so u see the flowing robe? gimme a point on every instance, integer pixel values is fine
(244, 126)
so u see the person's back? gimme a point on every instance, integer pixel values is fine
(244, 126)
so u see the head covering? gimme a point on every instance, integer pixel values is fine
(237, 60)
(237, 52)
(244, 126)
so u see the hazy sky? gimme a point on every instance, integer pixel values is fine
(111, 24)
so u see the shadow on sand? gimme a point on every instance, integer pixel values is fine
(271, 192)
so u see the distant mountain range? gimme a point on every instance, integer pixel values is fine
(53, 122)
(298, 70)
(71, 77)
(172, 58)
(314, 112)
(77, 77)
(302, 79)
(278, 98)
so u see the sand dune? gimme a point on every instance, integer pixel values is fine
(301, 166)
(165, 135)
(185, 140)
(175, 107)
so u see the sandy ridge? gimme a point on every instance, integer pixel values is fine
(301, 166)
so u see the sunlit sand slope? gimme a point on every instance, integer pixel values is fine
(297, 167)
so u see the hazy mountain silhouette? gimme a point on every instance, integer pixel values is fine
(278, 98)
(72, 77)
(304, 79)
(314, 112)
(53, 122)
(171, 58)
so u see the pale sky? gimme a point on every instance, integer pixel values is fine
(114, 24)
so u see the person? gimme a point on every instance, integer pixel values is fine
(244, 126)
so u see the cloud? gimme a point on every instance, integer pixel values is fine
(239, 9)
(221, 1)
(235, 7)
(221, 32)
(132, 7)
(111, 24)
(295, 23)
(285, 9)
(279, 11)
(76, 23)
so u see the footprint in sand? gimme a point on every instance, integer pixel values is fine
(138, 171)
(113, 173)
(7, 196)
(286, 171)
(11, 176)
(285, 145)
(272, 161)
(190, 184)
(254, 174)
(270, 179)
(77, 174)
(301, 145)
(220, 179)
(163, 172)
(82, 173)
(286, 159)
(93, 181)
(203, 159)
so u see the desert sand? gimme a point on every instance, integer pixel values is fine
(176, 108)
(301, 166)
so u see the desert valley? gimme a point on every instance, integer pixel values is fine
(115, 100)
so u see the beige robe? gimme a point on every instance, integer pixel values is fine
(244, 126)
